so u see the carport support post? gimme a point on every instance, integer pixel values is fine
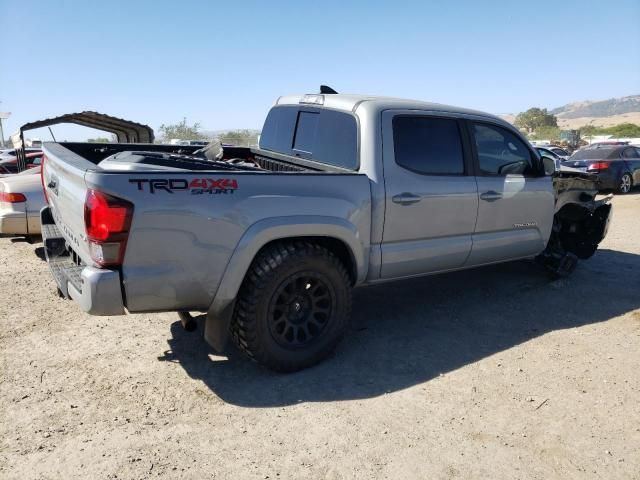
(3, 116)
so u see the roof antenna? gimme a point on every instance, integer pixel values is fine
(326, 89)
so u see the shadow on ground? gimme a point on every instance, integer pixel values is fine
(405, 333)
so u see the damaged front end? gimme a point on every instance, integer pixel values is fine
(580, 222)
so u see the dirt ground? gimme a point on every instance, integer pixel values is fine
(493, 373)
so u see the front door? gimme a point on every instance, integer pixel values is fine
(516, 203)
(431, 197)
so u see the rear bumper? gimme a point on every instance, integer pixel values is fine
(13, 223)
(607, 180)
(97, 290)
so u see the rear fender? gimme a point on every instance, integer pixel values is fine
(216, 331)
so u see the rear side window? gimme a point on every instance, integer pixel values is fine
(630, 153)
(428, 145)
(325, 136)
(501, 152)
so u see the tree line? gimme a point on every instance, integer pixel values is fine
(539, 124)
(185, 131)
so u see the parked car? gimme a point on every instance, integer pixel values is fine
(10, 153)
(270, 243)
(608, 143)
(21, 199)
(617, 166)
(7, 170)
(558, 151)
(10, 165)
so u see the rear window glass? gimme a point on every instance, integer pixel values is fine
(306, 131)
(277, 133)
(325, 136)
(428, 145)
(593, 153)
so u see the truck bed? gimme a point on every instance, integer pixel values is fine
(187, 223)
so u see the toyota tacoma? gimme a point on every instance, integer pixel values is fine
(343, 191)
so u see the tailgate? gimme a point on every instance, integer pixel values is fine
(63, 178)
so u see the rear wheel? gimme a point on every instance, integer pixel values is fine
(625, 184)
(293, 306)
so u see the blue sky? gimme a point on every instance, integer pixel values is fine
(224, 63)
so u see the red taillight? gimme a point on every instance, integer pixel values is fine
(107, 220)
(598, 166)
(9, 197)
(44, 190)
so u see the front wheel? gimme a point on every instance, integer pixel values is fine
(293, 306)
(625, 184)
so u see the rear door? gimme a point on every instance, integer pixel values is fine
(516, 203)
(631, 156)
(431, 198)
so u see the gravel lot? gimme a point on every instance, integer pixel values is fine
(493, 373)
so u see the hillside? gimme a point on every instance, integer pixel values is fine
(600, 113)
(575, 123)
(598, 109)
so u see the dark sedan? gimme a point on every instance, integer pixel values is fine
(617, 167)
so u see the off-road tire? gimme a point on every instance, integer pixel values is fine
(275, 268)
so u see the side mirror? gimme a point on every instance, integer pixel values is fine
(549, 165)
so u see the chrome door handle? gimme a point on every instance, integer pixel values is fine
(490, 196)
(406, 198)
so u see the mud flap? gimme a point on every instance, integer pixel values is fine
(216, 328)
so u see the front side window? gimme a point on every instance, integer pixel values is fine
(428, 145)
(500, 152)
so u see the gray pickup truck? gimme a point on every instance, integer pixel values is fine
(343, 191)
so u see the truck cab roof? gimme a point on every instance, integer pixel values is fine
(375, 104)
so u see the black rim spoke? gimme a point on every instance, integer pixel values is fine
(300, 309)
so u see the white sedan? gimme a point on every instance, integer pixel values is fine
(21, 199)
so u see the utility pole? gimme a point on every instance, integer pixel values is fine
(3, 116)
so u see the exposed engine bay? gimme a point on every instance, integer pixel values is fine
(580, 222)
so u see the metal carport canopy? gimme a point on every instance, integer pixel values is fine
(126, 130)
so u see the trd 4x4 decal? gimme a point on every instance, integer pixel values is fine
(197, 186)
